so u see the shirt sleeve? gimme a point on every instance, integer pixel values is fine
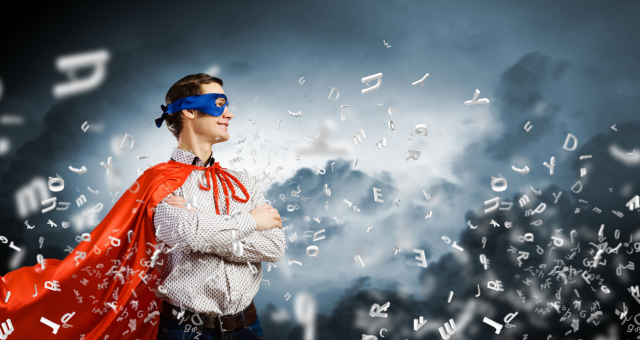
(258, 246)
(191, 231)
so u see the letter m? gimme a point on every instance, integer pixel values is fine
(25, 197)
(357, 134)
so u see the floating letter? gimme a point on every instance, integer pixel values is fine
(475, 100)
(423, 261)
(566, 142)
(578, 191)
(337, 93)
(494, 324)
(377, 195)
(357, 134)
(414, 154)
(70, 64)
(371, 78)
(126, 135)
(421, 129)
(376, 309)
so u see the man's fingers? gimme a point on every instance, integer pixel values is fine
(176, 200)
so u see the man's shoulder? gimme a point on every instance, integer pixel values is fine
(163, 173)
(242, 175)
(160, 167)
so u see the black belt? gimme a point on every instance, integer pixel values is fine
(225, 323)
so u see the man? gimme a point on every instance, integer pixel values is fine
(171, 259)
(207, 281)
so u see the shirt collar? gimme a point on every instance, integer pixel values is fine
(186, 157)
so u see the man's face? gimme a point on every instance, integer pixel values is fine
(210, 128)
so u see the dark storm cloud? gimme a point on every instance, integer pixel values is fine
(344, 182)
(520, 95)
(461, 272)
(610, 171)
(442, 192)
(523, 95)
(18, 136)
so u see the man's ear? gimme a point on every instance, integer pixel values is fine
(190, 114)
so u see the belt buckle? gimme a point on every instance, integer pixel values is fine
(220, 324)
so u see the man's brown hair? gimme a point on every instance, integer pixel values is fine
(186, 87)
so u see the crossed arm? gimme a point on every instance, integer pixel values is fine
(191, 229)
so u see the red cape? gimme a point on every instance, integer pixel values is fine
(117, 258)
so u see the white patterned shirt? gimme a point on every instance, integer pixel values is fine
(202, 273)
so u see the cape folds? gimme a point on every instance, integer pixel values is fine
(103, 289)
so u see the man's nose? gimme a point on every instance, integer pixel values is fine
(227, 113)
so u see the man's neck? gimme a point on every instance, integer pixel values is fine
(202, 150)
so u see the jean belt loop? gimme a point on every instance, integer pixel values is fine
(244, 323)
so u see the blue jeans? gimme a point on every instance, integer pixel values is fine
(169, 329)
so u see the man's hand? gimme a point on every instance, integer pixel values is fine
(266, 217)
(177, 201)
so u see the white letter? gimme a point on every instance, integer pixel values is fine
(51, 324)
(371, 78)
(414, 154)
(423, 261)
(70, 64)
(337, 93)
(577, 192)
(377, 195)
(494, 324)
(475, 99)
(575, 142)
(126, 135)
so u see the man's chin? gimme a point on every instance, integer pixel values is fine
(220, 139)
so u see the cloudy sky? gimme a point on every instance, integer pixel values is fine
(562, 67)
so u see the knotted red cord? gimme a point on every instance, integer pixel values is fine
(216, 171)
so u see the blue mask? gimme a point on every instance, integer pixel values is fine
(205, 103)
